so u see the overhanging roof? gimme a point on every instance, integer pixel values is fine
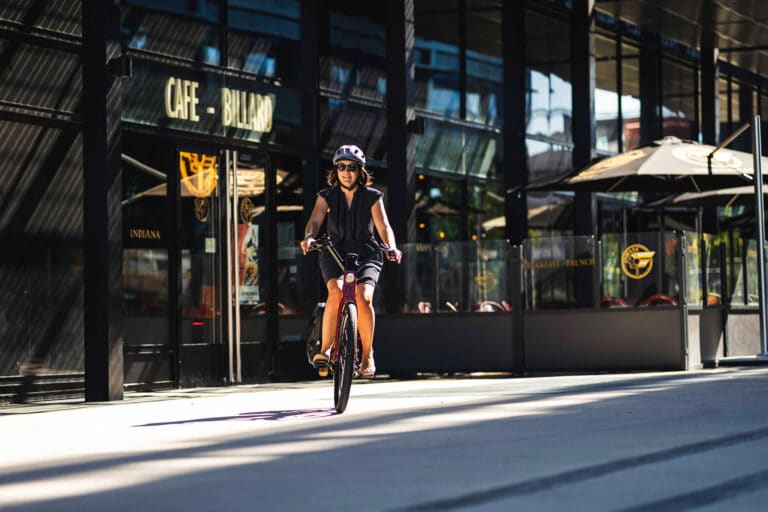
(740, 26)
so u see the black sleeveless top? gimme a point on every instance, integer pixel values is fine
(351, 229)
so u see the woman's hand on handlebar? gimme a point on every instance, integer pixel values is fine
(394, 255)
(306, 244)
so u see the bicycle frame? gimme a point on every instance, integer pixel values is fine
(348, 284)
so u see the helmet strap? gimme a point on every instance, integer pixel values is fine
(348, 188)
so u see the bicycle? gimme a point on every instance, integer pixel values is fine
(343, 362)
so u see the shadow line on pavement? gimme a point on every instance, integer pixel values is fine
(586, 473)
(394, 442)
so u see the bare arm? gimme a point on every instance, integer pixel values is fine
(387, 235)
(316, 219)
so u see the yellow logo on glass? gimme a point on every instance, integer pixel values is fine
(198, 173)
(637, 261)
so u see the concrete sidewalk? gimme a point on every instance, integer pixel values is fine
(651, 441)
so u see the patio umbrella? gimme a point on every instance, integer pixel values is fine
(666, 165)
(733, 196)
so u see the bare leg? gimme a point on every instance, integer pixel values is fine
(331, 310)
(366, 322)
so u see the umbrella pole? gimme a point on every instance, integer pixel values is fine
(757, 156)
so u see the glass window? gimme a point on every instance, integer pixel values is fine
(438, 209)
(548, 159)
(342, 122)
(549, 103)
(678, 101)
(290, 229)
(484, 63)
(548, 78)
(486, 212)
(641, 269)
(178, 28)
(550, 214)
(630, 96)
(146, 239)
(549, 270)
(726, 112)
(436, 57)
(263, 37)
(353, 57)
(607, 128)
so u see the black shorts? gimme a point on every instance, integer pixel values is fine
(368, 273)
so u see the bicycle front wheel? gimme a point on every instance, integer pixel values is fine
(344, 368)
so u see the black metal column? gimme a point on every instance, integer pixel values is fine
(583, 126)
(270, 261)
(650, 90)
(747, 109)
(583, 99)
(102, 216)
(311, 171)
(710, 98)
(402, 147)
(710, 112)
(515, 162)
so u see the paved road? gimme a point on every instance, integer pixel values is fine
(634, 442)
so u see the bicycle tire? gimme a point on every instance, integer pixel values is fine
(345, 366)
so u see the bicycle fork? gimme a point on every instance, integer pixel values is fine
(348, 282)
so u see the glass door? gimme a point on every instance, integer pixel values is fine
(199, 252)
(249, 316)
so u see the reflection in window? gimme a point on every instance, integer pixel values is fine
(353, 57)
(484, 62)
(550, 267)
(630, 100)
(181, 29)
(436, 55)
(678, 100)
(438, 209)
(458, 149)
(451, 277)
(547, 159)
(607, 128)
(548, 103)
(486, 212)
(145, 240)
(263, 38)
(346, 123)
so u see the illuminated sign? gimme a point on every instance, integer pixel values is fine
(246, 110)
(198, 173)
(181, 99)
(239, 109)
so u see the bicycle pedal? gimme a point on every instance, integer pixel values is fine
(322, 371)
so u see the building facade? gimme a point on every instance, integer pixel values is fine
(161, 158)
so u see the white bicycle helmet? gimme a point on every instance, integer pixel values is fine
(349, 152)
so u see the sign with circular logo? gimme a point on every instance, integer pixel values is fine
(637, 261)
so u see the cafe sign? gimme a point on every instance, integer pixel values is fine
(242, 109)
(211, 103)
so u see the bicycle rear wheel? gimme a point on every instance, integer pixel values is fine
(345, 365)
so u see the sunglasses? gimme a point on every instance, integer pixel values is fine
(347, 167)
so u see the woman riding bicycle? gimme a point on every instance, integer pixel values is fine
(353, 209)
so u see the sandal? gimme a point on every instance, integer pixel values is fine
(367, 369)
(320, 360)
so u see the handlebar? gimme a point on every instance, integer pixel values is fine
(325, 242)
